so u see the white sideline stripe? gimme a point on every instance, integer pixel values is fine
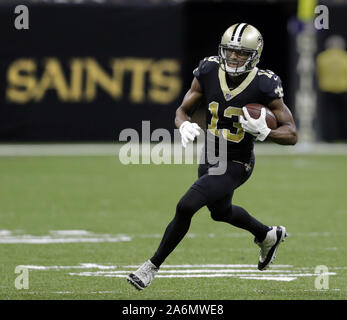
(112, 149)
(59, 149)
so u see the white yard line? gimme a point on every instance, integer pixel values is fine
(245, 272)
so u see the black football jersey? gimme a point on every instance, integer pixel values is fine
(224, 105)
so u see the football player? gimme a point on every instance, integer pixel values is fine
(225, 84)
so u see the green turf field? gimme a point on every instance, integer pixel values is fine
(81, 223)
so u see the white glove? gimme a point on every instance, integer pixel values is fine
(188, 132)
(256, 127)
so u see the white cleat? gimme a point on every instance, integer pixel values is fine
(269, 246)
(143, 276)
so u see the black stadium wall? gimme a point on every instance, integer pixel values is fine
(86, 72)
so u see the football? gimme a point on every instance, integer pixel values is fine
(254, 110)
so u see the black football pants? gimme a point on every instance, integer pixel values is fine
(215, 192)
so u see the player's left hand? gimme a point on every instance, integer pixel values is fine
(256, 127)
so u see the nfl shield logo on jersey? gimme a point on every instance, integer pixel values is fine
(228, 96)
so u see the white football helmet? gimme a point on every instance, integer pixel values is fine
(244, 39)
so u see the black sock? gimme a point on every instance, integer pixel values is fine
(240, 218)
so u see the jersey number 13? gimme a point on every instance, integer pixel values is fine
(238, 134)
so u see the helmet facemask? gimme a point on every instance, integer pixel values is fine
(245, 65)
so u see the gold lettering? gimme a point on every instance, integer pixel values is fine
(165, 80)
(148, 80)
(118, 68)
(76, 66)
(96, 76)
(138, 67)
(21, 80)
(52, 78)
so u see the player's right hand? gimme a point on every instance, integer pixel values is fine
(188, 131)
(256, 127)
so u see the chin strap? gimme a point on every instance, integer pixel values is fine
(235, 70)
